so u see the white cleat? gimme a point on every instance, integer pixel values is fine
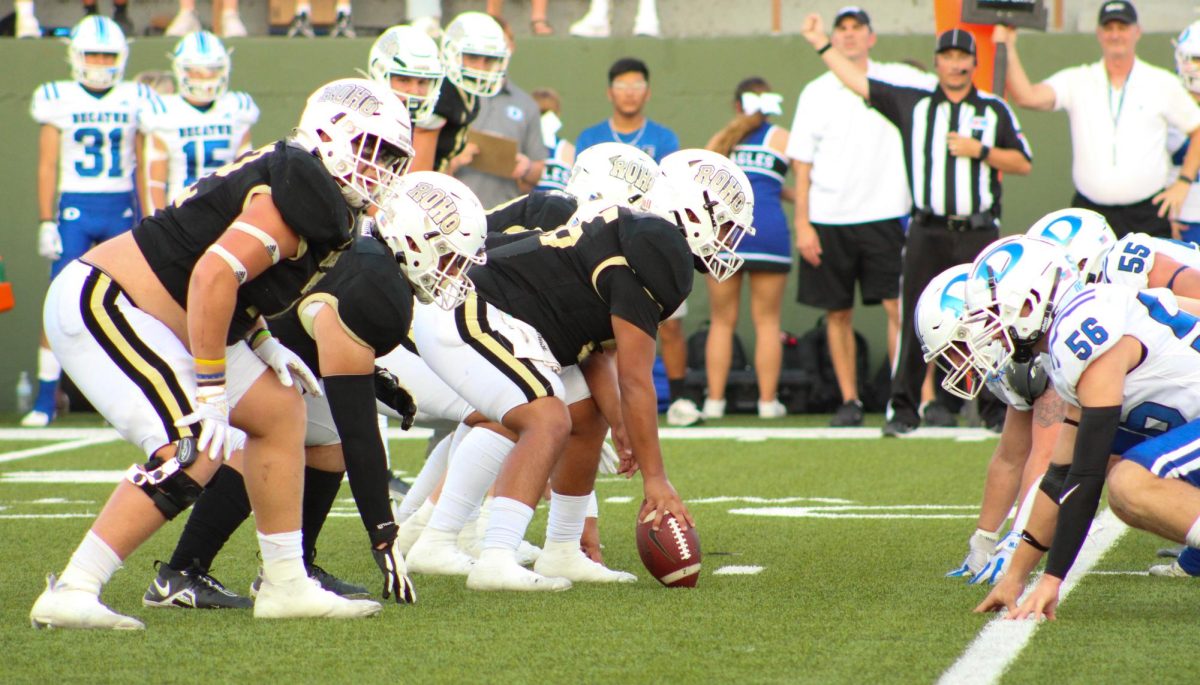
(470, 540)
(35, 419)
(436, 553)
(411, 528)
(1171, 570)
(683, 412)
(232, 26)
(304, 598)
(62, 606)
(497, 569)
(566, 560)
(593, 25)
(184, 23)
(528, 553)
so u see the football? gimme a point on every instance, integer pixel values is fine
(671, 554)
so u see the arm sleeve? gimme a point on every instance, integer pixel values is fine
(352, 404)
(1085, 481)
(629, 300)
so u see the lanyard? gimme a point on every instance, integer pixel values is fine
(1117, 116)
(636, 138)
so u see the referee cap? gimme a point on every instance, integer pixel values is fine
(956, 39)
(1117, 10)
(852, 12)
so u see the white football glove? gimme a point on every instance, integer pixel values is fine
(212, 413)
(49, 241)
(395, 574)
(288, 366)
(1001, 559)
(981, 547)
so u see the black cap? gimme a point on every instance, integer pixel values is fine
(956, 39)
(1117, 10)
(854, 12)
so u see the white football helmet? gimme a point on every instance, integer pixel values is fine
(435, 226)
(710, 199)
(97, 34)
(1084, 234)
(475, 33)
(201, 65)
(362, 134)
(615, 173)
(1012, 290)
(945, 337)
(1187, 57)
(404, 51)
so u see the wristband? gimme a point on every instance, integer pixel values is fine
(984, 151)
(1185, 179)
(825, 49)
(259, 337)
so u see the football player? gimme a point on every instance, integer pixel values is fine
(202, 127)
(407, 61)
(86, 161)
(475, 57)
(241, 243)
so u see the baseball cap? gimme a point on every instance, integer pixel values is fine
(956, 39)
(1117, 10)
(852, 12)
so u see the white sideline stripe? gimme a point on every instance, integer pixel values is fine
(1001, 641)
(618, 500)
(58, 447)
(768, 500)
(72, 477)
(738, 570)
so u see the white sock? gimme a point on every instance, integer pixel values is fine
(24, 8)
(506, 529)
(48, 367)
(599, 7)
(428, 479)
(647, 8)
(303, 8)
(1026, 508)
(593, 508)
(1193, 534)
(282, 556)
(567, 513)
(476, 464)
(92, 564)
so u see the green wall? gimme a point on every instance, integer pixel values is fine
(692, 83)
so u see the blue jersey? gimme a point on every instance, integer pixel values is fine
(653, 138)
(766, 167)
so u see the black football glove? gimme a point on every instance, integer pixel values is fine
(390, 560)
(389, 391)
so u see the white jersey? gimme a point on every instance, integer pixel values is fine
(1129, 260)
(199, 141)
(1160, 393)
(97, 146)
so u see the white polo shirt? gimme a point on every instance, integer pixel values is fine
(858, 172)
(1119, 137)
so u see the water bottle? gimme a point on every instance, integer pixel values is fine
(24, 393)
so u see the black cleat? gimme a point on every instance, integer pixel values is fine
(937, 415)
(896, 428)
(191, 588)
(301, 26)
(848, 415)
(336, 585)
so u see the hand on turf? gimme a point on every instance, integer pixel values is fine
(288, 366)
(1042, 602)
(999, 562)
(389, 391)
(1003, 596)
(660, 499)
(396, 582)
(49, 240)
(212, 413)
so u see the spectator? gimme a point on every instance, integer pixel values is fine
(120, 13)
(510, 113)
(1120, 109)
(1187, 64)
(186, 21)
(974, 137)
(850, 199)
(757, 146)
(27, 23)
(629, 91)
(595, 23)
(560, 151)
(537, 15)
(302, 25)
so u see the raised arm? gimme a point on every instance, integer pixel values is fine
(1020, 90)
(814, 32)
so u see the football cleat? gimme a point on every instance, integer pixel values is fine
(1001, 559)
(36, 419)
(1171, 570)
(304, 598)
(326, 580)
(566, 560)
(190, 588)
(683, 412)
(497, 569)
(528, 553)
(436, 553)
(411, 528)
(62, 606)
(713, 409)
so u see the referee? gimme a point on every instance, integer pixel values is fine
(956, 141)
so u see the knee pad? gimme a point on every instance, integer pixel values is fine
(166, 484)
(1053, 481)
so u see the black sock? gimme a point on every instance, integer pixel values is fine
(222, 507)
(676, 388)
(320, 489)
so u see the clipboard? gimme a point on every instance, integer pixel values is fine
(497, 154)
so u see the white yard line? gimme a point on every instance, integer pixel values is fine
(1001, 641)
(57, 447)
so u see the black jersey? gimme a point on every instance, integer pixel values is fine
(456, 108)
(307, 197)
(539, 210)
(372, 299)
(569, 282)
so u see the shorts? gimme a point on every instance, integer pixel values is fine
(128, 364)
(679, 313)
(88, 219)
(1174, 454)
(494, 361)
(435, 399)
(869, 254)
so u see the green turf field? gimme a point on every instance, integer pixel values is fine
(850, 588)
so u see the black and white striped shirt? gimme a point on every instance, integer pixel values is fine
(943, 184)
